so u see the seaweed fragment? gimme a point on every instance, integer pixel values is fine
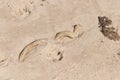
(107, 31)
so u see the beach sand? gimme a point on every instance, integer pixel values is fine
(91, 56)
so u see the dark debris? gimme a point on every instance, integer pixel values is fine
(108, 32)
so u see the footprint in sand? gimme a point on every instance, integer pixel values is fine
(50, 51)
(20, 8)
(53, 52)
(28, 48)
(4, 61)
(64, 35)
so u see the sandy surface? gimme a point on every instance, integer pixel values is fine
(91, 56)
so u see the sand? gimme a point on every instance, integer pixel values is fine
(90, 56)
